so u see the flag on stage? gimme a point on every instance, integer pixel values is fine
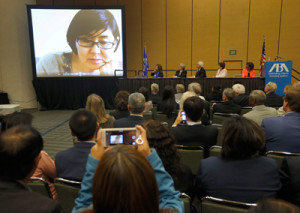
(145, 64)
(262, 59)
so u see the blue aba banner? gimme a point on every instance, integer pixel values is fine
(279, 72)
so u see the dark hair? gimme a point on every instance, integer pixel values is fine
(242, 138)
(159, 67)
(251, 65)
(86, 21)
(19, 147)
(160, 138)
(222, 65)
(274, 206)
(168, 104)
(17, 118)
(292, 96)
(124, 181)
(193, 107)
(145, 93)
(121, 100)
(83, 124)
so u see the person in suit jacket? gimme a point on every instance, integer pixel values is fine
(240, 97)
(283, 133)
(239, 174)
(70, 163)
(20, 148)
(259, 111)
(157, 72)
(273, 100)
(181, 73)
(249, 72)
(228, 106)
(155, 97)
(136, 107)
(201, 73)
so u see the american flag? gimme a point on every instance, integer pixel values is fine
(262, 59)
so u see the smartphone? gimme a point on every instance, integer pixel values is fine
(183, 117)
(115, 136)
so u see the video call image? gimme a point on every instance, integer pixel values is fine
(77, 42)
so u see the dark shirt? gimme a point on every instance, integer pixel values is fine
(130, 121)
(119, 114)
(155, 98)
(273, 100)
(227, 107)
(242, 100)
(201, 73)
(182, 75)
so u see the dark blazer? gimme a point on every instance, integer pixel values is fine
(183, 74)
(15, 196)
(201, 73)
(130, 121)
(290, 178)
(70, 163)
(159, 75)
(282, 133)
(273, 100)
(227, 107)
(242, 100)
(155, 98)
(119, 114)
(244, 180)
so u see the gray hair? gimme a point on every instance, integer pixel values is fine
(182, 65)
(154, 87)
(201, 63)
(229, 93)
(185, 96)
(136, 102)
(239, 88)
(195, 87)
(271, 86)
(258, 96)
(179, 88)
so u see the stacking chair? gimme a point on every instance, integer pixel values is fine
(218, 118)
(217, 205)
(220, 134)
(162, 117)
(187, 202)
(39, 185)
(246, 109)
(279, 156)
(67, 191)
(191, 156)
(215, 151)
(148, 115)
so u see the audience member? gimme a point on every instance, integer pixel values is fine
(249, 72)
(267, 205)
(228, 106)
(215, 94)
(180, 90)
(157, 72)
(259, 111)
(280, 110)
(282, 133)
(17, 118)
(96, 105)
(273, 100)
(240, 97)
(70, 163)
(239, 174)
(168, 104)
(121, 102)
(125, 173)
(296, 84)
(20, 148)
(196, 88)
(181, 73)
(136, 106)
(201, 73)
(155, 98)
(222, 72)
(148, 102)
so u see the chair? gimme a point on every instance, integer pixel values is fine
(218, 118)
(148, 115)
(164, 118)
(279, 156)
(220, 134)
(217, 205)
(67, 191)
(191, 156)
(187, 202)
(215, 151)
(39, 185)
(246, 109)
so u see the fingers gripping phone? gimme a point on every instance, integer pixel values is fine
(115, 136)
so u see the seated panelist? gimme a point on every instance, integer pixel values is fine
(157, 72)
(181, 73)
(248, 72)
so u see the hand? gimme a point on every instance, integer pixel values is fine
(98, 149)
(143, 148)
(178, 119)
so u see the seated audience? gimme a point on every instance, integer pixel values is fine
(196, 88)
(215, 94)
(283, 133)
(280, 110)
(121, 102)
(154, 97)
(267, 205)
(259, 111)
(181, 73)
(136, 106)
(228, 106)
(96, 105)
(180, 90)
(20, 148)
(201, 73)
(148, 102)
(239, 174)
(157, 72)
(273, 100)
(122, 180)
(168, 104)
(240, 97)
(194, 133)
(222, 72)
(249, 72)
(70, 163)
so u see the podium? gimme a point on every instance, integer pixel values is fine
(279, 72)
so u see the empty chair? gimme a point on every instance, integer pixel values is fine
(215, 151)
(279, 156)
(39, 185)
(220, 134)
(162, 117)
(218, 118)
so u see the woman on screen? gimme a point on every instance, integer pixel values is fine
(94, 37)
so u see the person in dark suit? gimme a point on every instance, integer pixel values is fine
(136, 106)
(121, 102)
(239, 174)
(201, 73)
(181, 73)
(157, 72)
(283, 133)
(155, 97)
(228, 106)
(20, 148)
(273, 100)
(70, 163)
(194, 133)
(240, 97)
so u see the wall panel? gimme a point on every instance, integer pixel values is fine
(63, 2)
(84, 2)
(106, 3)
(44, 2)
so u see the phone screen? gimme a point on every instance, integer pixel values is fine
(126, 137)
(183, 117)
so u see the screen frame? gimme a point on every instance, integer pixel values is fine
(33, 61)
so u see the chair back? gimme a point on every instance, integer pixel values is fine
(148, 115)
(39, 185)
(220, 134)
(67, 191)
(246, 109)
(215, 151)
(218, 118)
(279, 156)
(162, 117)
(186, 202)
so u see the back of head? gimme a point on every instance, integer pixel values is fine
(19, 147)
(195, 87)
(145, 93)
(121, 100)
(292, 97)
(229, 93)
(274, 205)
(222, 65)
(154, 87)
(242, 138)
(124, 181)
(185, 96)
(168, 93)
(258, 97)
(271, 87)
(136, 102)
(193, 107)
(83, 124)
(95, 104)
(18, 118)
(180, 88)
(239, 88)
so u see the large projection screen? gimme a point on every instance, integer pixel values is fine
(77, 42)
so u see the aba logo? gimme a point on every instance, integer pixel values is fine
(279, 68)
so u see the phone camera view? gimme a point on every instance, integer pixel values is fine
(121, 137)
